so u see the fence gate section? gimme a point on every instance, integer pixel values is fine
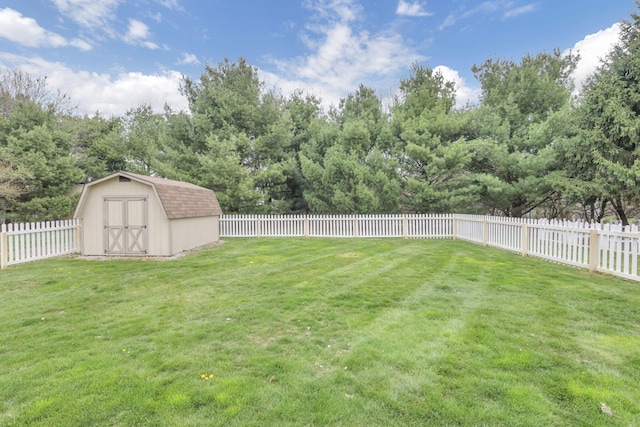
(125, 225)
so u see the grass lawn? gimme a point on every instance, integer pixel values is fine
(327, 332)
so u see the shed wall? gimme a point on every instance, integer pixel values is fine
(158, 243)
(189, 233)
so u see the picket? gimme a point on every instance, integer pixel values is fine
(607, 248)
(618, 252)
(470, 227)
(33, 241)
(568, 242)
(408, 226)
(556, 243)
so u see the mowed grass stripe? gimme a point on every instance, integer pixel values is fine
(318, 332)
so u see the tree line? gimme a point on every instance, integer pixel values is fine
(528, 147)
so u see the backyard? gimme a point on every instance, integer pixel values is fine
(353, 332)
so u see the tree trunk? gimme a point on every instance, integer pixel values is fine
(619, 208)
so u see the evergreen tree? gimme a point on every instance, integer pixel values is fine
(348, 164)
(433, 150)
(606, 159)
(521, 110)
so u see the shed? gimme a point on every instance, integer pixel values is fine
(128, 214)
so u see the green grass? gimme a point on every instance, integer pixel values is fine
(349, 332)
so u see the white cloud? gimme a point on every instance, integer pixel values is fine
(156, 17)
(170, 4)
(517, 11)
(150, 45)
(341, 57)
(111, 95)
(411, 9)
(464, 94)
(492, 7)
(137, 30)
(289, 85)
(138, 34)
(449, 21)
(592, 49)
(89, 13)
(188, 59)
(342, 10)
(81, 44)
(26, 31)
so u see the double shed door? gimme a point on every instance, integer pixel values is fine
(125, 225)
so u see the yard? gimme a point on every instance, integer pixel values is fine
(353, 332)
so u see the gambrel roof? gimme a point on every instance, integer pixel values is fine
(178, 198)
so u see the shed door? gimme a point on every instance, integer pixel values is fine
(125, 225)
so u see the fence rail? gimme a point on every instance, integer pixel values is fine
(407, 226)
(608, 248)
(33, 241)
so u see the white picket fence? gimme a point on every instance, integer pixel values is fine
(599, 247)
(607, 248)
(408, 226)
(33, 241)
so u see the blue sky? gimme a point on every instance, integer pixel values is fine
(112, 55)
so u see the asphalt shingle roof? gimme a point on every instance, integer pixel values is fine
(181, 199)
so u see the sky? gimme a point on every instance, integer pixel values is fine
(111, 56)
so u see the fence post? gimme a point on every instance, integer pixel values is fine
(405, 227)
(355, 226)
(525, 239)
(4, 250)
(306, 226)
(79, 241)
(485, 232)
(593, 251)
(454, 228)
